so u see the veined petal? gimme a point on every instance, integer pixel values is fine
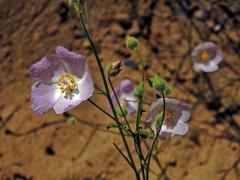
(44, 96)
(74, 63)
(43, 70)
(85, 85)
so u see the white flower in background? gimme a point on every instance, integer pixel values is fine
(176, 114)
(206, 57)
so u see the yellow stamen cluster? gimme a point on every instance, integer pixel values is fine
(67, 83)
(205, 55)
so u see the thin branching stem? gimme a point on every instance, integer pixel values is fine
(115, 95)
(101, 109)
(123, 155)
(139, 113)
(155, 138)
(80, 14)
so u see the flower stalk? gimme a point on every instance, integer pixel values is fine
(80, 14)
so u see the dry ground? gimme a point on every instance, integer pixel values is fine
(47, 148)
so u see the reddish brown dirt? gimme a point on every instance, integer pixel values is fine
(47, 148)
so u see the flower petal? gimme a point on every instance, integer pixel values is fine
(219, 57)
(206, 45)
(85, 91)
(44, 96)
(132, 102)
(85, 85)
(126, 86)
(43, 70)
(74, 63)
(180, 129)
(124, 92)
(210, 67)
(65, 104)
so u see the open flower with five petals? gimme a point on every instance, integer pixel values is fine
(206, 57)
(62, 82)
(176, 114)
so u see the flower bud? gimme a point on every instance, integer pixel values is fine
(75, 4)
(131, 42)
(72, 120)
(121, 112)
(158, 83)
(139, 90)
(112, 69)
(167, 89)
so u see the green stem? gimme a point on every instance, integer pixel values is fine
(138, 140)
(108, 93)
(99, 89)
(114, 92)
(142, 63)
(101, 109)
(119, 150)
(155, 138)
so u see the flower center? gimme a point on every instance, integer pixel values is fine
(67, 83)
(205, 55)
(169, 120)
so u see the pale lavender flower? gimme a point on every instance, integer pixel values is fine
(206, 57)
(176, 114)
(125, 96)
(63, 82)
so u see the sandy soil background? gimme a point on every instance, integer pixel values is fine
(48, 148)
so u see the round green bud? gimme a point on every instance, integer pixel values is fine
(139, 90)
(131, 42)
(72, 120)
(167, 90)
(158, 83)
(121, 112)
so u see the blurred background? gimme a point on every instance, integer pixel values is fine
(48, 148)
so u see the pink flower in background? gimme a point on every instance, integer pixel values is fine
(125, 96)
(176, 114)
(63, 82)
(206, 57)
